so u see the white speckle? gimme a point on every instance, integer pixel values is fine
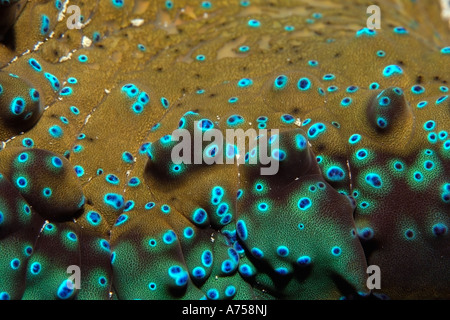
(298, 122)
(87, 118)
(61, 15)
(445, 13)
(37, 45)
(86, 42)
(137, 22)
(107, 91)
(65, 58)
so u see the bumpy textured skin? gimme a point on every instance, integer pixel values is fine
(87, 177)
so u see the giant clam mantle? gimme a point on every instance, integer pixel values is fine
(87, 178)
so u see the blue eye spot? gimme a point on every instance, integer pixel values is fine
(18, 106)
(233, 100)
(336, 251)
(149, 205)
(56, 131)
(66, 91)
(127, 157)
(280, 82)
(115, 201)
(304, 203)
(257, 253)
(410, 234)
(134, 182)
(74, 110)
(93, 218)
(45, 25)
(152, 286)
(335, 174)
(316, 130)
(245, 82)
(422, 104)
(72, 236)
(287, 118)
(283, 251)
(417, 89)
(374, 180)
(398, 166)
(83, 58)
(118, 3)
(304, 84)
(400, 30)
(152, 243)
(199, 216)
(47, 192)
(384, 101)
(382, 122)
(28, 142)
(165, 208)
(365, 32)
(304, 261)
(441, 99)
(200, 57)
(35, 65)
(352, 89)
(361, 154)
(244, 48)
(418, 176)
(66, 289)
(254, 23)
(112, 179)
(205, 124)
(23, 157)
(15, 263)
(188, 232)
(439, 229)
(130, 90)
(230, 291)
(169, 4)
(374, 86)
(346, 101)
(235, 120)
(279, 154)
(35, 268)
(206, 5)
(121, 219)
(207, 258)
(355, 138)
(22, 182)
(392, 70)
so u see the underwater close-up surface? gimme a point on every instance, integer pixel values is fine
(335, 185)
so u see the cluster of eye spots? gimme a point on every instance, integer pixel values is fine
(133, 92)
